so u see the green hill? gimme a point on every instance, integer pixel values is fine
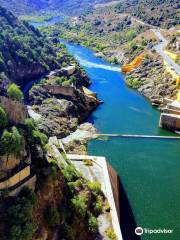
(24, 52)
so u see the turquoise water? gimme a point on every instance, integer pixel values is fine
(50, 22)
(149, 169)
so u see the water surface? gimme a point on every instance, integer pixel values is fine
(52, 21)
(149, 169)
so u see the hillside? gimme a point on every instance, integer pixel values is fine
(156, 12)
(24, 52)
(40, 196)
(63, 6)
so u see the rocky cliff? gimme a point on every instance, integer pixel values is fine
(61, 108)
(152, 80)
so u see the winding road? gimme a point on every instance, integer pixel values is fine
(159, 48)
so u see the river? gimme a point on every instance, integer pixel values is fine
(148, 168)
(53, 20)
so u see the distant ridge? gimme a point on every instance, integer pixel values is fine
(22, 7)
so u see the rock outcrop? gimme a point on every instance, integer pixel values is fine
(153, 81)
(16, 111)
(61, 110)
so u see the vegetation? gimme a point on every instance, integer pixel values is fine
(52, 216)
(95, 187)
(34, 135)
(133, 82)
(14, 92)
(70, 173)
(79, 205)
(157, 12)
(22, 45)
(11, 142)
(92, 224)
(19, 216)
(3, 118)
(69, 7)
(39, 137)
(110, 234)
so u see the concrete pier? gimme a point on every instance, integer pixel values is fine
(170, 117)
(100, 172)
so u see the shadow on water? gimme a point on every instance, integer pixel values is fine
(127, 220)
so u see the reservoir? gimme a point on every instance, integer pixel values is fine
(149, 169)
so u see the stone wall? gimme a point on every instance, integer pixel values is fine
(30, 183)
(16, 178)
(17, 112)
(57, 90)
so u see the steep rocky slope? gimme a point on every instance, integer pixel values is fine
(57, 202)
(24, 52)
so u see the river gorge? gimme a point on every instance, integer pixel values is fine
(148, 168)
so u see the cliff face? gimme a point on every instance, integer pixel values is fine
(16, 111)
(53, 193)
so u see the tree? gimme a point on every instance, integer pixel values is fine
(39, 137)
(14, 92)
(79, 205)
(3, 118)
(30, 124)
(52, 216)
(19, 216)
(11, 142)
(95, 187)
(92, 224)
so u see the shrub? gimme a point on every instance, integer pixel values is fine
(66, 232)
(73, 79)
(71, 186)
(39, 137)
(92, 224)
(11, 142)
(3, 118)
(20, 212)
(99, 205)
(110, 234)
(70, 173)
(79, 205)
(60, 80)
(52, 216)
(30, 124)
(66, 83)
(27, 231)
(28, 194)
(133, 82)
(95, 187)
(14, 92)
